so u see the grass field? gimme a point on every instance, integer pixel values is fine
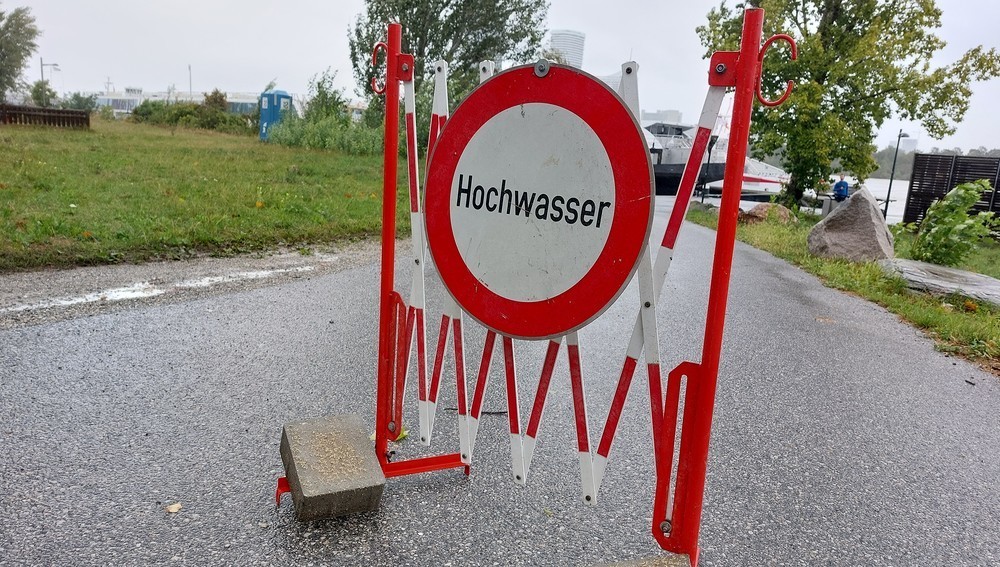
(959, 325)
(130, 192)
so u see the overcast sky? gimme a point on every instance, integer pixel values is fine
(240, 45)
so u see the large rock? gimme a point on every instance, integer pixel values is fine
(766, 211)
(854, 231)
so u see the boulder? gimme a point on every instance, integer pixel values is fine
(855, 231)
(765, 211)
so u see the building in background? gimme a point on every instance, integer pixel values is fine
(568, 44)
(123, 103)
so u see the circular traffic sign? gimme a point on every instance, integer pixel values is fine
(539, 201)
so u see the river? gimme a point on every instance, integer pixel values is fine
(878, 188)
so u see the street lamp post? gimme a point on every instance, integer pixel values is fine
(885, 212)
(43, 64)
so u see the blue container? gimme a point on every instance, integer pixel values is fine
(272, 105)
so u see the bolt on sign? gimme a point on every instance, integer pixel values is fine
(539, 201)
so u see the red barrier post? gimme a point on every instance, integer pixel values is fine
(391, 305)
(680, 533)
(387, 313)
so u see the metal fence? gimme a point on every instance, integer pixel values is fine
(29, 115)
(934, 175)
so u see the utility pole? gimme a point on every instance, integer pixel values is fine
(43, 65)
(190, 90)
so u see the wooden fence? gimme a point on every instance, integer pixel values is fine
(34, 116)
(934, 175)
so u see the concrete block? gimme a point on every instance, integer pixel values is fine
(665, 560)
(331, 467)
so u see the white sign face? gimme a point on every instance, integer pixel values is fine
(539, 201)
(532, 201)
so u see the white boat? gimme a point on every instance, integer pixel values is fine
(673, 148)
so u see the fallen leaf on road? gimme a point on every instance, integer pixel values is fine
(174, 508)
(825, 320)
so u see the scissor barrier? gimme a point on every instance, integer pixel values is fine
(537, 213)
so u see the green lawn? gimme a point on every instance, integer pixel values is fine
(130, 192)
(959, 325)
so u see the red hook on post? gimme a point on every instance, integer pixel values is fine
(380, 45)
(760, 65)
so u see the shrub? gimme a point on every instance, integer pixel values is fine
(331, 133)
(216, 100)
(207, 116)
(148, 111)
(79, 101)
(948, 232)
(325, 101)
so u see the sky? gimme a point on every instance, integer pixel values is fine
(241, 45)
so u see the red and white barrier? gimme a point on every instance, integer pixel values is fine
(541, 105)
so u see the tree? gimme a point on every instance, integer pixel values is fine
(462, 32)
(325, 100)
(884, 159)
(17, 43)
(216, 100)
(79, 101)
(860, 62)
(42, 94)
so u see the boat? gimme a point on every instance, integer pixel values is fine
(670, 156)
(761, 181)
(670, 146)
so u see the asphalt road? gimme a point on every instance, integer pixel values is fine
(841, 436)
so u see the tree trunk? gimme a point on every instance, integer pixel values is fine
(794, 191)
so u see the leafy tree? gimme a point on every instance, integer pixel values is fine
(17, 42)
(325, 100)
(216, 100)
(860, 62)
(462, 32)
(79, 101)
(42, 94)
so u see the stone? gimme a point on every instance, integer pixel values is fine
(856, 231)
(765, 211)
(944, 280)
(331, 467)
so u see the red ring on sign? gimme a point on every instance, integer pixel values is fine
(605, 113)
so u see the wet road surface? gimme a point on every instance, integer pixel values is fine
(841, 436)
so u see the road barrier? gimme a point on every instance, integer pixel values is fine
(537, 214)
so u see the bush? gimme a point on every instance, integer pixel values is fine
(207, 116)
(325, 101)
(948, 232)
(216, 100)
(79, 101)
(331, 133)
(326, 124)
